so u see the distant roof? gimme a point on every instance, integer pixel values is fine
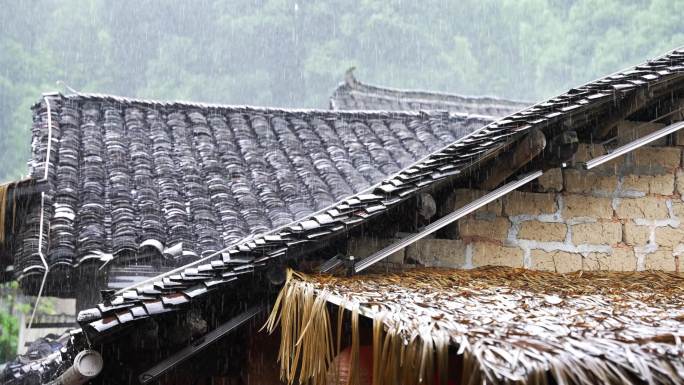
(355, 95)
(130, 178)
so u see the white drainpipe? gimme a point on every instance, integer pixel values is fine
(87, 365)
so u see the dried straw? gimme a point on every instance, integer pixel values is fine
(306, 345)
(508, 326)
(4, 190)
(306, 334)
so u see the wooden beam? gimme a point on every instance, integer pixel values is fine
(627, 107)
(527, 149)
(677, 111)
(641, 98)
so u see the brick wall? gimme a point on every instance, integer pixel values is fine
(624, 215)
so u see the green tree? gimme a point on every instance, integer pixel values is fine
(9, 321)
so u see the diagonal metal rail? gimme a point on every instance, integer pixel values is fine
(445, 220)
(182, 355)
(330, 264)
(631, 146)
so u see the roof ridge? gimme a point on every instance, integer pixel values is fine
(439, 96)
(85, 96)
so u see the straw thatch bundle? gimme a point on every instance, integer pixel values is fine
(9, 202)
(505, 326)
(4, 192)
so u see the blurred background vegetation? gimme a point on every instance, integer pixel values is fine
(9, 321)
(13, 305)
(294, 52)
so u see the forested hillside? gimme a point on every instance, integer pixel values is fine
(293, 53)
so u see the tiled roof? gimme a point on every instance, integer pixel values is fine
(178, 288)
(130, 178)
(355, 95)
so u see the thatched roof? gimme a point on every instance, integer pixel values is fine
(353, 94)
(505, 325)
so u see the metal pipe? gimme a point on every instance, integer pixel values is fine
(330, 264)
(182, 355)
(631, 146)
(445, 220)
(87, 365)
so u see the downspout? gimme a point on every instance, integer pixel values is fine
(87, 365)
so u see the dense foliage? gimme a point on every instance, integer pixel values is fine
(9, 320)
(12, 306)
(8, 336)
(294, 52)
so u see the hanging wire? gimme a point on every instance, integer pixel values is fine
(67, 87)
(42, 213)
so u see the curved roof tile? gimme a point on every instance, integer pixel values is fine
(130, 178)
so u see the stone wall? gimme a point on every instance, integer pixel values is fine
(624, 215)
